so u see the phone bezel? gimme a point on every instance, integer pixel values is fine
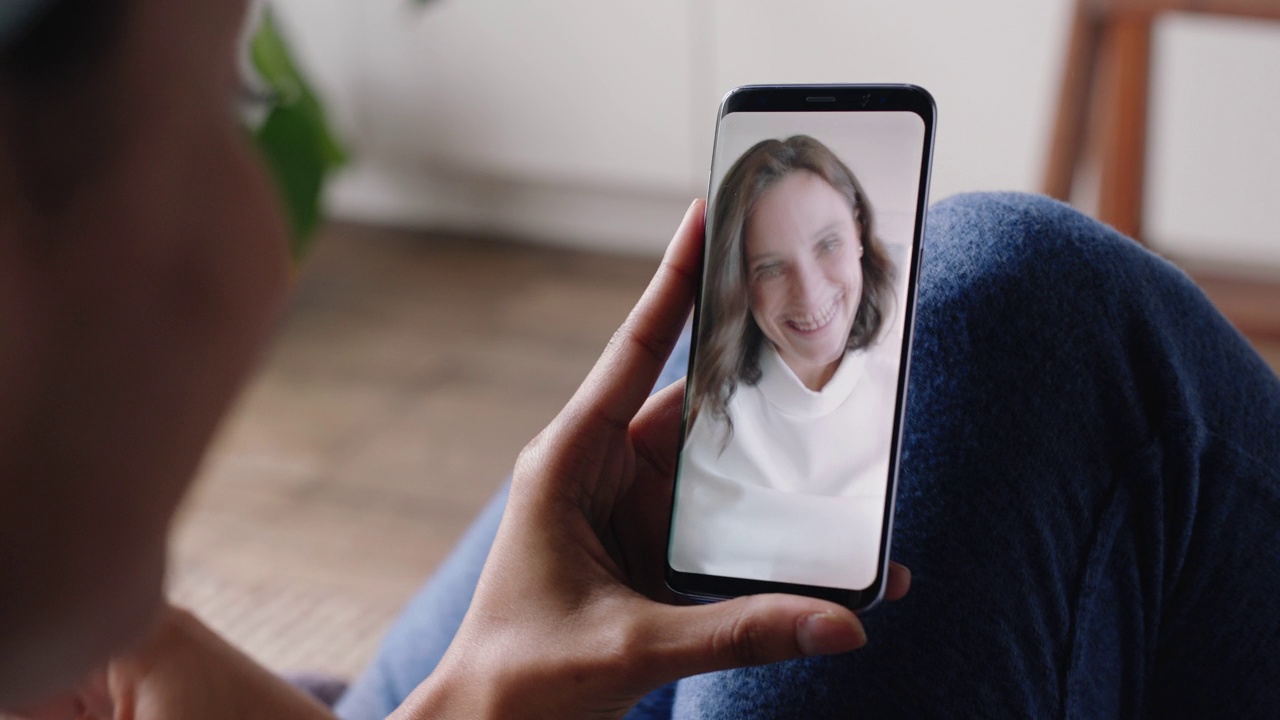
(822, 98)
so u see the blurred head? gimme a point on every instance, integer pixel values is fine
(142, 264)
(794, 262)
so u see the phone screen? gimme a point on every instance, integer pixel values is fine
(798, 370)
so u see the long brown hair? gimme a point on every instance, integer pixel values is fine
(729, 341)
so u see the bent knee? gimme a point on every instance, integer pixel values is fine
(1026, 253)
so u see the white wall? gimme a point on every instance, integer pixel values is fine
(590, 123)
(1214, 174)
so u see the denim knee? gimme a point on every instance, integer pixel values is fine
(1025, 298)
(984, 248)
(1011, 272)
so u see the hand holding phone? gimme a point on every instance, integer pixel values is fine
(570, 617)
(802, 334)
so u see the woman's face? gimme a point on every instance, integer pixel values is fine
(805, 279)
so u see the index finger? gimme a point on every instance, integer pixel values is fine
(620, 382)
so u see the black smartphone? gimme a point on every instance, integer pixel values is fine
(801, 343)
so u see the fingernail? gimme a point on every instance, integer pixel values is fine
(828, 634)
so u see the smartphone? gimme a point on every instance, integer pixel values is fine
(798, 369)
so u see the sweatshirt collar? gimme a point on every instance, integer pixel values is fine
(787, 393)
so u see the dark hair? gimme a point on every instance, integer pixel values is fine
(56, 96)
(61, 41)
(729, 341)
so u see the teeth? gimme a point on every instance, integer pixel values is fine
(809, 325)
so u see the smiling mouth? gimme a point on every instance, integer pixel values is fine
(814, 323)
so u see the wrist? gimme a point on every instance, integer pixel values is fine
(453, 691)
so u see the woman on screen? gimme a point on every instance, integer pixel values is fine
(795, 380)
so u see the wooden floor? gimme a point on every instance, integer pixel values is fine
(408, 375)
(406, 379)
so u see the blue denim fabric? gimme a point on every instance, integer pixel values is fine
(1089, 503)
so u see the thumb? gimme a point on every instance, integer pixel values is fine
(754, 630)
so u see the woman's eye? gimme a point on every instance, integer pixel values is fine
(829, 245)
(768, 271)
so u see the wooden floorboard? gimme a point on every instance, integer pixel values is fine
(407, 376)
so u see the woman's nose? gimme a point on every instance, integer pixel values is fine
(806, 291)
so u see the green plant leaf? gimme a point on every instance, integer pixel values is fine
(295, 140)
(289, 146)
(274, 62)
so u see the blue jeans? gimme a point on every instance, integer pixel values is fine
(1089, 503)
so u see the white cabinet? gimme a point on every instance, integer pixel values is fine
(590, 121)
(560, 91)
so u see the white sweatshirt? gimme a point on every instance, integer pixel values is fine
(798, 494)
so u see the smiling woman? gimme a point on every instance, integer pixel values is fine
(796, 374)
(795, 268)
(802, 260)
